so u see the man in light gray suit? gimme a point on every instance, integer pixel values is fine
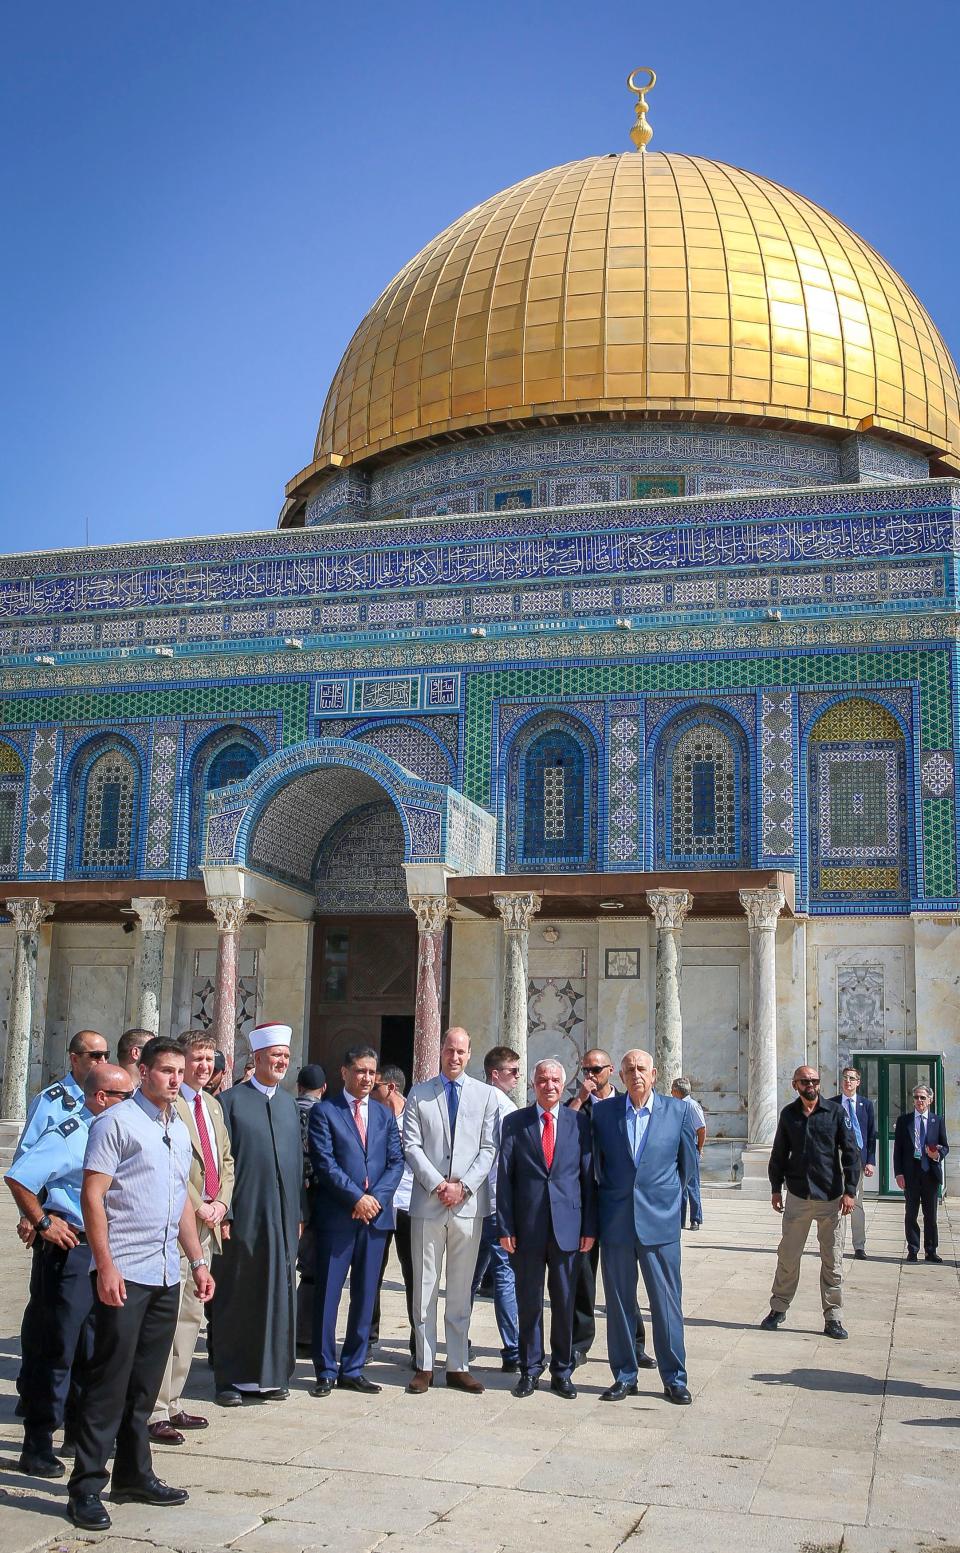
(450, 1142)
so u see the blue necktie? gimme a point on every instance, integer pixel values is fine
(919, 1135)
(852, 1111)
(453, 1101)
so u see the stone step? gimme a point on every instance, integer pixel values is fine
(9, 1133)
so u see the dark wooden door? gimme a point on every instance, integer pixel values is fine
(364, 985)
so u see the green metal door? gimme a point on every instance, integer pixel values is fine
(889, 1081)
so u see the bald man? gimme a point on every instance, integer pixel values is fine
(644, 1152)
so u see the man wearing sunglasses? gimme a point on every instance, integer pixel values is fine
(596, 1086)
(815, 1154)
(64, 1098)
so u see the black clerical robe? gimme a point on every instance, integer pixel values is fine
(254, 1307)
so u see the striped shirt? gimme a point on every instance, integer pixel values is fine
(147, 1155)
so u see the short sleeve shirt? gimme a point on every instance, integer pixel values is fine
(147, 1154)
(55, 1165)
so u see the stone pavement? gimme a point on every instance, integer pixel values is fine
(793, 1441)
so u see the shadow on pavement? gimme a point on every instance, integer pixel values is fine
(852, 1382)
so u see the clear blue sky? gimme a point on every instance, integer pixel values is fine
(200, 200)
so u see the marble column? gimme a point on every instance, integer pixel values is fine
(230, 914)
(762, 907)
(432, 912)
(155, 913)
(669, 909)
(27, 914)
(516, 912)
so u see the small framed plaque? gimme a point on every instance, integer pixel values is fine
(622, 964)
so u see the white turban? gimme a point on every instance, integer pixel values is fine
(270, 1035)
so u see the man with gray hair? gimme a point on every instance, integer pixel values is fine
(546, 1211)
(919, 1144)
(680, 1090)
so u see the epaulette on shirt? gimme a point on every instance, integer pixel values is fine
(70, 1125)
(57, 1092)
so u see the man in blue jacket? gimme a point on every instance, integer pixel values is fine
(546, 1211)
(919, 1144)
(862, 1121)
(357, 1164)
(644, 1154)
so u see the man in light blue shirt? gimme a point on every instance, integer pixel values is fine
(60, 1289)
(64, 1098)
(135, 1210)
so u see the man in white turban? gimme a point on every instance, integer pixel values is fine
(255, 1308)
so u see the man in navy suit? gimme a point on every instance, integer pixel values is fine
(919, 1144)
(644, 1152)
(546, 1213)
(862, 1121)
(357, 1164)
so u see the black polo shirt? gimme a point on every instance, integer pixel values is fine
(816, 1155)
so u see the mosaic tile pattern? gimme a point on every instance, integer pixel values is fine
(359, 867)
(776, 776)
(43, 768)
(701, 793)
(624, 838)
(414, 749)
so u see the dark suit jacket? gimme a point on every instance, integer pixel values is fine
(642, 1202)
(903, 1134)
(340, 1165)
(532, 1200)
(867, 1117)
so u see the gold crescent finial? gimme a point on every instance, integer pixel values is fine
(641, 133)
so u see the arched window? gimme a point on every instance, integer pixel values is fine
(229, 756)
(11, 799)
(551, 798)
(701, 799)
(857, 813)
(105, 828)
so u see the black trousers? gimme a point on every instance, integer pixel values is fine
(131, 1345)
(920, 1192)
(57, 1339)
(585, 1299)
(560, 1268)
(400, 1239)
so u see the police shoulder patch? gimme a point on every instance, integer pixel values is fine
(70, 1125)
(55, 1092)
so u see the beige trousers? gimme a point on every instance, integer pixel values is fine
(455, 1241)
(858, 1219)
(798, 1215)
(175, 1376)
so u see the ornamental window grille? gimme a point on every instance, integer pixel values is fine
(554, 789)
(704, 806)
(8, 822)
(233, 763)
(108, 814)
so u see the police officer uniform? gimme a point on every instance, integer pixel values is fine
(52, 1106)
(61, 1289)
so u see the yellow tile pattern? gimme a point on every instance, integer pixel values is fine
(658, 282)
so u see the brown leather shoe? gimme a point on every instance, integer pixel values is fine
(462, 1380)
(188, 1421)
(164, 1433)
(419, 1382)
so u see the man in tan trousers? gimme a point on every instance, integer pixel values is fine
(210, 1187)
(815, 1155)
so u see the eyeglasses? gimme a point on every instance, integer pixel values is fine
(94, 1056)
(594, 1071)
(809, 1083)
(117, 1094)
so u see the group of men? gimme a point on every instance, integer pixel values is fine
(822, 1152)
(150, 1194)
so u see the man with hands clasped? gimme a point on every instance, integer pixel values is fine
(919, 1144)
(136, 1215)
(547, 1212)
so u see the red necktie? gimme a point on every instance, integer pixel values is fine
(548, 1138)
(211, 1177)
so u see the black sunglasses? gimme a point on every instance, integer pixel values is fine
(118, 1094)
(594, 1071)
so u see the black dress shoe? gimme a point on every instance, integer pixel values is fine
(526, 1386)
(40, 1464)
(229, 1398)
(834, 1329)
(358, 1383)
(148, 1491)
(618, 1391)
(678, 1394)
(510, 1366)
(580, 1356)
(860, 1255)
(272, 1394)
(911, 1256)
(87, 1512)
(772, 1320)
(564, 1387)
(323, 1388)
(645, 1361)
(931, 1256)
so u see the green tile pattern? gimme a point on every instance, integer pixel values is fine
(116, 706)
(939, 857)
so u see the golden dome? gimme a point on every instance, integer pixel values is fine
(660, 285)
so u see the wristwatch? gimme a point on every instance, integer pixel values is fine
(200, 1262)
(43, 1223)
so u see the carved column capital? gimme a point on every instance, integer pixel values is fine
(432, 912)
(229, 913)
(29, 913)
(155, 912)
(517, 910)
(762, 907)
(669, 908)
